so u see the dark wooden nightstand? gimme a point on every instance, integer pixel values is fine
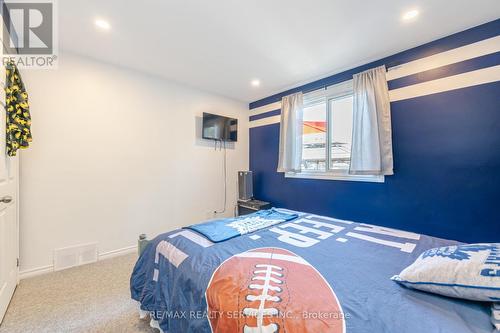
(251, 206)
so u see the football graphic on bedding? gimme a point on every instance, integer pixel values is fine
(269, 290)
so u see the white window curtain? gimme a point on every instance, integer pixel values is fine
(371, 151)
(290, 151)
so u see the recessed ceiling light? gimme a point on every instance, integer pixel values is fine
(255, 83)
(102, 24)
(410, 15)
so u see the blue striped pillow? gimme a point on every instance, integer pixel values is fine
(470, 271)
(495, 315)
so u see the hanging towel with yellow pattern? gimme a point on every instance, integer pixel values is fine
(18, 113)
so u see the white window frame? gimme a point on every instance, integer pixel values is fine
(325, 95)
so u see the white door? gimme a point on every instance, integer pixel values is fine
(9, 230)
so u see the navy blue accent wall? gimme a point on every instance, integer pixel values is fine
(265, 115)
(446, 162)
(445, 71)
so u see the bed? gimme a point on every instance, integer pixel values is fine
(309, 274)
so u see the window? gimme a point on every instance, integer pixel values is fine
(327, 135)
(314, 137)
(340, 124)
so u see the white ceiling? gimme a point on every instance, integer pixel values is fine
(221, 45)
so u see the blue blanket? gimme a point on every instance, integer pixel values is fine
(310, 274)
(220, 230)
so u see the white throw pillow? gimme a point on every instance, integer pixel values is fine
(470, 271)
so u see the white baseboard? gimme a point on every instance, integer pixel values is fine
(102, 256)
(118, 252)
(35, 271)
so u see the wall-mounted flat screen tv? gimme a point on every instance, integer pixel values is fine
(220, 128)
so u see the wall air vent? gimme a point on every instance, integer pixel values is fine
(74, 256)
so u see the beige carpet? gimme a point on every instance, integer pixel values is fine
(90, 298)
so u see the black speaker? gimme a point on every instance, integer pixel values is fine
(245, 185)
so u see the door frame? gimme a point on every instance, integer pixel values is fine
(14, 161)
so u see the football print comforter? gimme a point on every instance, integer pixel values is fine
(311, 274)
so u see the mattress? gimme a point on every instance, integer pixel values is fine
(310, 274)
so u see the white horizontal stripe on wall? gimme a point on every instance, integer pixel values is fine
(464, 80)
(265, 121)
(266, 108)
(469, 79)
(474, 50)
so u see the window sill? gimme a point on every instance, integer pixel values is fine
(336, 176)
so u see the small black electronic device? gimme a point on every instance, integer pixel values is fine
(245, 185)
(251, 206)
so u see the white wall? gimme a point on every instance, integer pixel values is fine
(117, 153)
